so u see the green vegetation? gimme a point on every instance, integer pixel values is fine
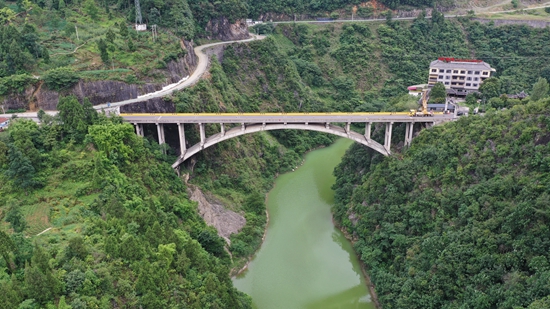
(124, 232)
(460, 219)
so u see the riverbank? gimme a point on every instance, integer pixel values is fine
(305, 262)
(364, 270)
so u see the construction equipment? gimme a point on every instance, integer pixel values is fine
(423, 111)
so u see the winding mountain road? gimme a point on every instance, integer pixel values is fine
(202, 66)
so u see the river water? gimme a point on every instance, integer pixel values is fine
(305, 262)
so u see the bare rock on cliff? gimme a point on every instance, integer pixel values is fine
(222, 29)
(225, 221)
(100, 92)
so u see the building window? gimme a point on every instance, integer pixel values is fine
(475, 85)
(485, 73)
(468, 78)
(447, 77)
(446, 83)
(468, 84)
(476, 78)
(433, 70)
(440, 77)
(441, 71)
(454, 84)
(455, 71)
(448, 71)
(476, 73)
(462, 72)
(469, 72)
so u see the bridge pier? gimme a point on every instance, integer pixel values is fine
(409, 133)
(222, 126)
(387, 142)
(203, 134)
(327, 125)
(243, 127)
(139, 129)
(181, 131)
(368, 126)
(348, 125)
(160, 131)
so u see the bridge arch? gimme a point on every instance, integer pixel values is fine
(253, 128)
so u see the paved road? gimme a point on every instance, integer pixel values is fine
(202, 66)
(282, 118)
(405, 18)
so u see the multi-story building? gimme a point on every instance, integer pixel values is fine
(460, 76)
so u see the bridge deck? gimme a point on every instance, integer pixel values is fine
(282, 117)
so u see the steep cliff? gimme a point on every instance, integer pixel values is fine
(221, 29)
(100, 92)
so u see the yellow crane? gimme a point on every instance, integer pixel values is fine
(423, 111)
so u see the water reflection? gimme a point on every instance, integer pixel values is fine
(352, 298)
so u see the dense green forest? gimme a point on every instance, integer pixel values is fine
(126, 233)
(460, 219)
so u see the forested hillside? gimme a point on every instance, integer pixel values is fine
(460, 219)
(125, 233)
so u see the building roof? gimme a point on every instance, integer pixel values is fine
(461, 65)
(2, 120)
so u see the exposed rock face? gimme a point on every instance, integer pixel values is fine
(221, 29)
(225, 221)
(154, 105)
(100, 92)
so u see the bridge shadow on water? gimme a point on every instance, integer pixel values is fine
(352, 298)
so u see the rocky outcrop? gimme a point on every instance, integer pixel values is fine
(99, 92)
(153, 105)
(221, 29)
(225, 221)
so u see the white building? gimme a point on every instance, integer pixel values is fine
(460, 76)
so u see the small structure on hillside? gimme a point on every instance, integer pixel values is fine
(522, 95)
(416, 90)
(4, 123)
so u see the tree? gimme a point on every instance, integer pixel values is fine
(91, 9)
(40, 283)
(102, 46)
(438, 93)
(20, 169)
(110, 35)
(123, 30)
(6, 247)
(72, 117)
(540, 89)
(490, 88)
(6, 15)
(15, 218)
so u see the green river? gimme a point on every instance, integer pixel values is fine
(305, 262)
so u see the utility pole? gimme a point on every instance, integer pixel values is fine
(154, 30)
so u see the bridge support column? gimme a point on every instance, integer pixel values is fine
(222, 126)
(348, 125)
(368, 126)
(202, 133)
(160, 131)
(139, 129)
(181, 131)
(327, 125)
(263, 126)
(387, 142)
(243, 127)
(409, 133)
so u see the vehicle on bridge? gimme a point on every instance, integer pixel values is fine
(423, 110)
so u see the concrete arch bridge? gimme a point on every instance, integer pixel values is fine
(256, 122)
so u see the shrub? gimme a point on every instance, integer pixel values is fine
(60, 78)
